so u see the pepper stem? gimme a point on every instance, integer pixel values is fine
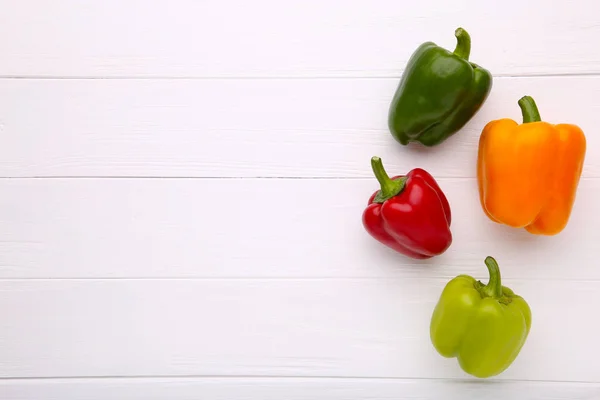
(529, 110)
(389, 187)
(463, 45)
(494, 286)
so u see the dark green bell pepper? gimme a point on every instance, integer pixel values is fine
(438, 93)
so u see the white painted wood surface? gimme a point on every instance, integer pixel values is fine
(230, 228)
(266, 38)
(291, 389)
(373, 328)
(182, 183)
(250, 128)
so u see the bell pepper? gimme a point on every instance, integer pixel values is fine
(528, 174)
(483, 326)
(438, 93)
(409, 214)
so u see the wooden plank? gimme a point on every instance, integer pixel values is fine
(290, 389)
(373, 328)
(271, 38)
(248, 228)
(250, 128)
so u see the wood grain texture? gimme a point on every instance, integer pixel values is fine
(252, 228)
(300, 38)
(250, 128)
(376, 328)
(291, 389)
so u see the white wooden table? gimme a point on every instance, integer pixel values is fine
(182, 183)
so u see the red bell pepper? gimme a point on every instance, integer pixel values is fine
(409, 214)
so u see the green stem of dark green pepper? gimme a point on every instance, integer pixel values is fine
(529, 110)
(463, 45)
(389, 187)
(494, 286)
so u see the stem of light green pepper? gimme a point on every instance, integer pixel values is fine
(494, 286)
(529, 110)
(463, 45)
(389, 187)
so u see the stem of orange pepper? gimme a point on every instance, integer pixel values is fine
(529, 110)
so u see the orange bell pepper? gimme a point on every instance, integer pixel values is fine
(528, 174)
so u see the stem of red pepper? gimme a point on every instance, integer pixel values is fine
(389, 187)
(494, 286)
(463, 45)
(529, 110)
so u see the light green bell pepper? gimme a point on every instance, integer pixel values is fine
(483, 326)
